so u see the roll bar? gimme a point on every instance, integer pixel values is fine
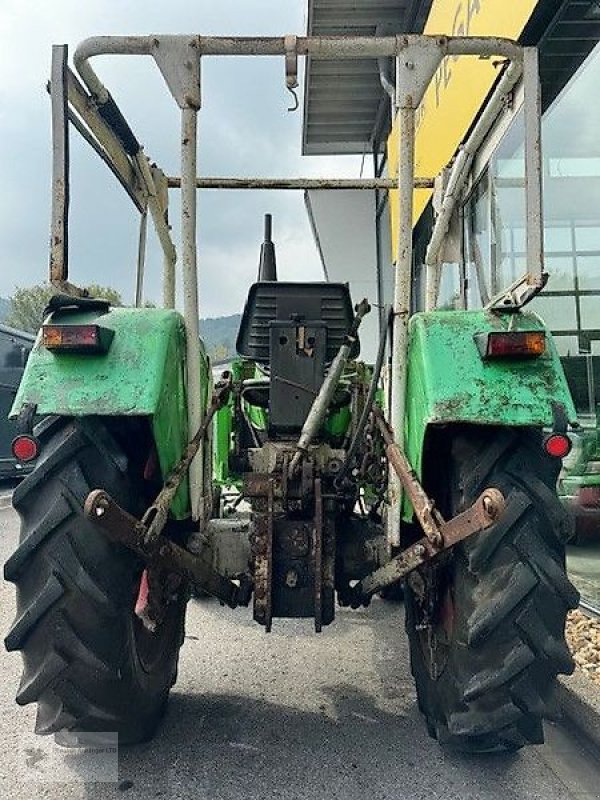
(178, 58)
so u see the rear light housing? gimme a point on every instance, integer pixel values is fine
(511, 344)
(557, 445)
(76, 338)
(25, 448)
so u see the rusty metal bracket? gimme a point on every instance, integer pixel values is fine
(156, 515)
(438, 531)
(429, 518)
(318, 542)
(262, 547)
(123, 528)
(481, 515)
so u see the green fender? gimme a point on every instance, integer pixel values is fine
(448, 381)
(142, 374)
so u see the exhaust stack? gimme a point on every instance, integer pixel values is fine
(267, 265)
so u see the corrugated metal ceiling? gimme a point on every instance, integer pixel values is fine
(341, 98)
(569, 39)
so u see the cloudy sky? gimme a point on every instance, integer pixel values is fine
(244, 130)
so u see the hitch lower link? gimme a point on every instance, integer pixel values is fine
(121, 527)
(440, 535)
(145, 537)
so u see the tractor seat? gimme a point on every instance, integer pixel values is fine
(296, 330)
(269, 302)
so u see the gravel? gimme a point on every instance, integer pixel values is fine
(583, 637)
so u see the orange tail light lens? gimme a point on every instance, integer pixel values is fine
(512, 344)
(77, 338)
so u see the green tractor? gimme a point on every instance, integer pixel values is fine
(434, 467)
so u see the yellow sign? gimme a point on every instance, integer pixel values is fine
(459, 87)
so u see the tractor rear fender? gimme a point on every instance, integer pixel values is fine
(449, 381)
(141, 374)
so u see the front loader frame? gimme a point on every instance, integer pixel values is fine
(91, 108)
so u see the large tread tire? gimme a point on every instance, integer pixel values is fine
(87, 660)
(503, 642)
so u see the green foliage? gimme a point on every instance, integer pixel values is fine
(219, 335)
(28, 304)
(4, 308)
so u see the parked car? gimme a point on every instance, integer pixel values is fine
(579, 483)
(15, 347)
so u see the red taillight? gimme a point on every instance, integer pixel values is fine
(25, 448)
(557, 445)
(77, 338)
(512, 344)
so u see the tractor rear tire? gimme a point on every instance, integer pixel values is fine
(88, 661)
(486, 623)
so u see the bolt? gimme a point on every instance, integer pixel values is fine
(489, 506)
(419, 550)
(291, 579)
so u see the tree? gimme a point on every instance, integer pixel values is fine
(28, 303)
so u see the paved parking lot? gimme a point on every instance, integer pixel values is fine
(290, 715)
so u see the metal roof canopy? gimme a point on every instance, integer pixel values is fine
(342, 98)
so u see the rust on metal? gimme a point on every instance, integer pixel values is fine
(318, 542)
(481, 515)
(488, 507)
(155, 517)
(262, 551)
(429, 519)
(382, 184)
(121, 527)
(59, 240)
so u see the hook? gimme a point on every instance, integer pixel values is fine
(290, 44)
(296, 101)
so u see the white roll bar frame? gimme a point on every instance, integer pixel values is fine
(417, 59)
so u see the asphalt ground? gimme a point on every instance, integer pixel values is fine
(285, 715)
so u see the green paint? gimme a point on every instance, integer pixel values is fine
(141, 375)
(579, 468)
(448, 381)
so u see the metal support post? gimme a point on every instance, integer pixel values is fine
(402, 294)
(141, 261)
(59, 250)
(195, 400)
(161, 227)
(533, 166)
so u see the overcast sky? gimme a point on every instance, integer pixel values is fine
(244, 130)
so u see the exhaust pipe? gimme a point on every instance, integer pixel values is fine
(267, 265)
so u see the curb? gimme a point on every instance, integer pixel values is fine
(579, 700)
(5, 501)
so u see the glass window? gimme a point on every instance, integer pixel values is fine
(477, 246)
(566, 345)
(507, 170)
(588, 272)
(560, 272)
(449, 295)
(590, 312)
(559, 313)
(557, 239)
(587, 238)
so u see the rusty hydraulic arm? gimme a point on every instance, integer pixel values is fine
(145, 536)
(123, 528)
(440, 534)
